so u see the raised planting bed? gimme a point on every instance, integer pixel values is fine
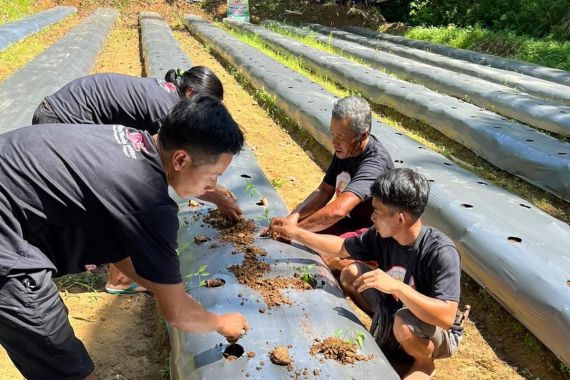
(529, 109)
(516, 252)
(287, 294)
(535, 157)
(69, 58)
(527, 68)
(13, 32)
(532, 85)
(160, 49)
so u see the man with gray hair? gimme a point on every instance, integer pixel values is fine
(359, 158)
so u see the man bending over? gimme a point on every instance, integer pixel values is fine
(72, 195)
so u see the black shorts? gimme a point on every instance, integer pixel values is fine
(44, 114)
(35, 330)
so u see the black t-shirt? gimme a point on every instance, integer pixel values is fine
(72, 195)
(356, 175)
(437, 270)
(134, 102)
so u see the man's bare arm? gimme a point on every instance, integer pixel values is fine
(331, 213)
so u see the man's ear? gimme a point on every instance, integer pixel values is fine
(189, 93)
(402, 219)
(180, 158)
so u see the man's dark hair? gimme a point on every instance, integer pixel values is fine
(202, 126)
(199, 79)
(402, 189)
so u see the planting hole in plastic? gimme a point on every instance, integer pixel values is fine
(523, 205)
(447, 164)
(399, 161)
(233, 351)
(215, 282)
(562, 153)
(482, 183)
(514, 239)
(529, 140)
(466, 205)
(245, 176)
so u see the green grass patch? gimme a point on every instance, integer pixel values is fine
(11, 10)
(21, 53)
(541, 51)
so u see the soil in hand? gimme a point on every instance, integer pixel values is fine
(280, 356)
(337, 349)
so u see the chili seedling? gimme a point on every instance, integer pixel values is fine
(351, 336)
(201, 272)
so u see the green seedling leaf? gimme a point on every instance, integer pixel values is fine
(205, 274)
(202, 268)
(338, 333)
(203, 283)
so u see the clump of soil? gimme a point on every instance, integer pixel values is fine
(240, 233)
(199, 239)
(280, 356)
(337, 349)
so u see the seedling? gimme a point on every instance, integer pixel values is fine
(251, 189)
(265, 216)
(305, 273)
(351, 336)
(200, 273)
(181, 248)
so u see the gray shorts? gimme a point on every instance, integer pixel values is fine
(35, 330)
(445, 342)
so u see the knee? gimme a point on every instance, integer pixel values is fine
(348, 275)
(401, 328)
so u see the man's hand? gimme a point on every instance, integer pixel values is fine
(267, 231)
(377, 279)
(232, 326)
(227, 203)
(286, 231)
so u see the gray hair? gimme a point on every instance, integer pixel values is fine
(357, 110)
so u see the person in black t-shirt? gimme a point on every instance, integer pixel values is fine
(359, 158)
(134, 102)
(72, 195)
(413, 295)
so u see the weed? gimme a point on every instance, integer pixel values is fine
(278, 182)
(201, 272)
(351, 336)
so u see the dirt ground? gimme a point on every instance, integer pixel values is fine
(123, 333)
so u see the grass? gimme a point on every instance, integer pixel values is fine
(11, 10)
(21, 53)
(424, 134)
(541, 51)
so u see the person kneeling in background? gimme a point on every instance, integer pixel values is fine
(413, 295)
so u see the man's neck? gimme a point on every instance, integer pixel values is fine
(409, 235)
(361, 147)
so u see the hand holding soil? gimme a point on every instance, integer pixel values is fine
(233, 326)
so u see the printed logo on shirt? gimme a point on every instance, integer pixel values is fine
(169, 87)
(132, 142)
(342, 181)
(398, 272)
